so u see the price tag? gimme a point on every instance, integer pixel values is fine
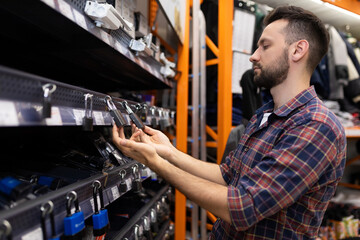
(128, 183)
(78, 114)
(99, 118)
(35, 234)
(8, 116)
(55, 119)
(115, 192)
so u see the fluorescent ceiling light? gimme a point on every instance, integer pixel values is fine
(342, 10)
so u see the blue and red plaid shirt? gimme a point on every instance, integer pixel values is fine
(283, 174)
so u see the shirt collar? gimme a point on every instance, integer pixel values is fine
(301, 99)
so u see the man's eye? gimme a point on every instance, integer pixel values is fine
(265, 47)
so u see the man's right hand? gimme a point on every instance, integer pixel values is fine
(159, 141)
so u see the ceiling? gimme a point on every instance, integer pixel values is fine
(325, 11)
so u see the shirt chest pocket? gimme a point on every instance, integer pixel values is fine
(255, 149)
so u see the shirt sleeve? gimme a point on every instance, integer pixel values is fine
(284, 174)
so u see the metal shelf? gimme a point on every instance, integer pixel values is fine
(127, 232)
(22, 95)
(53, 38)
(25, 218)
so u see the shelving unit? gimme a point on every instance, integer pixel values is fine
(53, 43)
(65, 44)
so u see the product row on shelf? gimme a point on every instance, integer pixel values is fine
(29, 100)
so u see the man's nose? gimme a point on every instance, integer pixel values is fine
(255, 57)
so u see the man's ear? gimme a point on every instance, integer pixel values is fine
(300, 49)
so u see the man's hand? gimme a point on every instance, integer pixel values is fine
(118, 134)
(158, 140)
(141, 152)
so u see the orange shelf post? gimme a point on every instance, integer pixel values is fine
(224, 111)
(182, 122)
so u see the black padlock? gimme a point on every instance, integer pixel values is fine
(48, 90)
(5, 230)
(134, 118)
(136, 184)
(122, 186)
(142, 111)
(47, 209)
(147, 229)
(154, 221)
(162, 120)
(165, 206)
(153, 117)
(88, 121)
(115, 113)
(138, 232)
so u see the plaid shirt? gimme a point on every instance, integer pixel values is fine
(283, 174)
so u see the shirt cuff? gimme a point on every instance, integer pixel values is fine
(241, 208)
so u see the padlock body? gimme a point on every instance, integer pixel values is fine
(88, 124)
(74, 224)
(101, 219)
(123, 187)
(46, 111)
(137, 186)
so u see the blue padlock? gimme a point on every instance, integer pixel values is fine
(48, 209)
(74, 224)
(100, 217)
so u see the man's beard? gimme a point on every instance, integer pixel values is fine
(273, 75)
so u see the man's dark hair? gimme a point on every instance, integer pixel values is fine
(303, 24)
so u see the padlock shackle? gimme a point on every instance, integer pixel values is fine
(88, 107)
(8, 229)
(97, 188)
(71, 197)
(47, 209)
(110, 103)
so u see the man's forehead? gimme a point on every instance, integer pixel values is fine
(273, 31)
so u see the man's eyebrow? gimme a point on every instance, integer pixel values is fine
(261, 41)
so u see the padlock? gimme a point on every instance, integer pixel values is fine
(159, 212)
(134, 118)
(13, 188)
(165, 206)
(74, 224)
(147, 229)
(153, 117)
(136, 184)
(100, 217)
(115, 113)
(154, 221)
(142, 111)
(138, 231)
(162, 120)
(144, 171)
(47, 209)
(122, 186)
(48, 90)
(5, 230)
(88, 121)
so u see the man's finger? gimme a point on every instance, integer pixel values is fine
(121, 132)
(149, 130)
(135, 135)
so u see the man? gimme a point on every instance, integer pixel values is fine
(279, 180)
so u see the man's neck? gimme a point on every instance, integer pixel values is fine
(286, 91)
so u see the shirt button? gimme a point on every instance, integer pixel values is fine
(246, 149)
